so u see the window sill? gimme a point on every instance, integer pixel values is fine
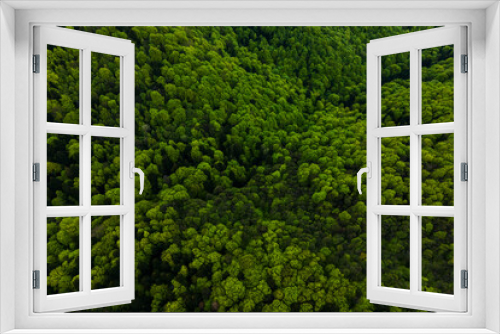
(251, 331)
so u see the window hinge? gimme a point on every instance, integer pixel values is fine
(464, 171)
(465, 279)
(36, 279)
(36, 172)
(36, 63)
(465, 63)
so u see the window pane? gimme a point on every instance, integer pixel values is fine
(63, 170)
(105, 171)
(63, 261)
(63, 85)
(396, 252)
(251, 157)
(437, 254)
(105, 252)
(437, 84)
(396, 89)
(437, 169)
(105, 89)
(395, 171)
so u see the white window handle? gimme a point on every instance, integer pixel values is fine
(134, 170)
(368, 171)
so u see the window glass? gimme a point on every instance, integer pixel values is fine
(437, 84)
(395, 171)
(250, 139)
(395, 251)
(105, 171)
(63, 255)
(63, 170)
(105, 89)
(437, 169)
(437, 254)
(105, 252)
(63, 85)
(395, 78)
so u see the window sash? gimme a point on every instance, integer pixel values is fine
(86, 297)
(414, 297)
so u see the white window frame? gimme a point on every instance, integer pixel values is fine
(86, 44)
(483, 314)
(414, 43)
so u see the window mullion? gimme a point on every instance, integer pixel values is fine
(414, 172)
(418, 162)
(82, 220)
(406, 210)
(86, 163)
(85, 182)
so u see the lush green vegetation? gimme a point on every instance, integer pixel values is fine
(250, 139)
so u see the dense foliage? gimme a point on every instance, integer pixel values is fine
(250, 139)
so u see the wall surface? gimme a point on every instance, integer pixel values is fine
(7, 160)
(23, 266)
(492, 162)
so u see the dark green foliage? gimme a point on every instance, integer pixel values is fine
(396, 89)
(105, 171)
(63, 170)
(105, 71)
(437, 169)
(250, 139)
(437, 254)
(437, 84)
(395, 171)
(63, 259)
(105, 242)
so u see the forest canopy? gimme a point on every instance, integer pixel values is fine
(250, 139)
